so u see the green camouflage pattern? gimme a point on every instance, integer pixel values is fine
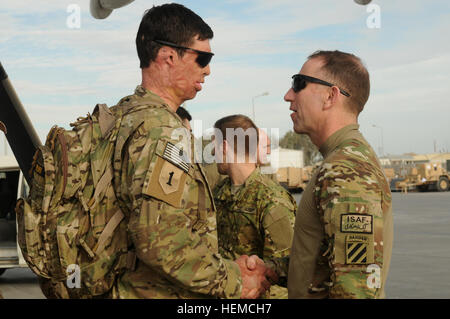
(257, 220)
(174, 233)
(70, 206)
(212, 175)
(350, 185)
(272, 176)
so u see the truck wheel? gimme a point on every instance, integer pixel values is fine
(442, 184)
(2, 271)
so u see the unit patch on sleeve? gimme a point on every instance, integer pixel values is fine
(358, 250)
(356, 223)
(168, 177)
(176, 156)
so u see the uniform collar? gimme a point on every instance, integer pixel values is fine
(149, 95)
(155, 98)
(225, 190)
(254, 175)
(145, 93)
(337, 138)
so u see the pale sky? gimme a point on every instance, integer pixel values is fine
(60, 73)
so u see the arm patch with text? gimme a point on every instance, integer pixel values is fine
(357, 223)
(358, 250)
(352, 226)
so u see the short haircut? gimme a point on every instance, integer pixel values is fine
(184, 114)
(171, 23)
(347, 71)
(235, 122)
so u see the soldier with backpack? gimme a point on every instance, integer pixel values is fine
(118, 206)
(172, 215)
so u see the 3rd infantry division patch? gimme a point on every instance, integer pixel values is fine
(357, 250)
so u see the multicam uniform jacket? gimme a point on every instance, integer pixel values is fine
(257, 220)
(343, 233)
(172, 222)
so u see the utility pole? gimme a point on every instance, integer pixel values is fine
(382, 142)
(253, 103)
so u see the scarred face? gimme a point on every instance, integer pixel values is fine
(188, 77)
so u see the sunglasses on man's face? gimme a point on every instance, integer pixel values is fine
(203, 58)
(299, 82)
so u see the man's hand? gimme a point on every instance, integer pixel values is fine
(255, 276)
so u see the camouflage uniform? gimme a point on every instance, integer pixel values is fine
(344, 226)
(172, 223)
(257, 219)
(272, 176)
(212, 175)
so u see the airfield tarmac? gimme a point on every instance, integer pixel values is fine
(420, 258)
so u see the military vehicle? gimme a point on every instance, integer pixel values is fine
(294, 178)
(433, 175)
(389, 173)
(23, 141)
(12, 186)
(291, 172)
(430, 176)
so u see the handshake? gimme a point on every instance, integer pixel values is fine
(256, 276)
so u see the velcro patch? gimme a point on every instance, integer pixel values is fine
(358, 250)
(356, 223)
(176, 156)
(170, 178)
(167, 183)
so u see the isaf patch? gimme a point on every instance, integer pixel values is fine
(358, 250)
(356, 223)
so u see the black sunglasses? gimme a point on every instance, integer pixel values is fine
(299, 83)
(203, 58)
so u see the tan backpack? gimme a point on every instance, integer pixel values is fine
(71, 228)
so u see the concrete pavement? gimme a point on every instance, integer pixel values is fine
(420, 258)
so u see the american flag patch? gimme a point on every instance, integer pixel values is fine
(176, 156)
